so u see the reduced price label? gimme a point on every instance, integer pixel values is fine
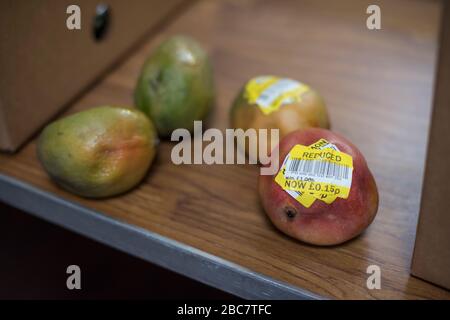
(316, 172)
(269, 93)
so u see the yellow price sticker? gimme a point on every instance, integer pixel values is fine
(316, 172)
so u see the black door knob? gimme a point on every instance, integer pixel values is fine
(101, 21)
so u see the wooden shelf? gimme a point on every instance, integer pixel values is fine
(205, 221)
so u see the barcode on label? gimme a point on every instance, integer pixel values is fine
(317, 168)
(270, 94)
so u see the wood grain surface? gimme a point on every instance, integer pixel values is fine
(378, 87)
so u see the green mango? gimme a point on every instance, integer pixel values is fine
(99, 152)
(175, 86)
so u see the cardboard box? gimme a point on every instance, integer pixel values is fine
(431, 260)
(43, 64)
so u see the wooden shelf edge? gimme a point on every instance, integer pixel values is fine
(152, 247)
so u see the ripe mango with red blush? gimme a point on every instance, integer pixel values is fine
(99, 152)
(321, 223)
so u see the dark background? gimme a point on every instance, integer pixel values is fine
(34, 255)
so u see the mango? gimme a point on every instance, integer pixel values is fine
(270, 102)
(99, 152)
(322, 223)
(175, 86)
